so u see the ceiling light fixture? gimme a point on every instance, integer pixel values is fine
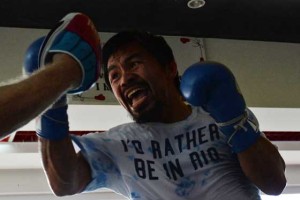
(194, 4)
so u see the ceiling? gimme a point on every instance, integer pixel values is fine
(261, 20)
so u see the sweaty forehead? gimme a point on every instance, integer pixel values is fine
(124, 52)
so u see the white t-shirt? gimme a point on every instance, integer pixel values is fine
(155, 161)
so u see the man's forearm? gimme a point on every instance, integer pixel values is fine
(264, 166)
(68, 172)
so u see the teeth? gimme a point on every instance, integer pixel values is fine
(129, 95)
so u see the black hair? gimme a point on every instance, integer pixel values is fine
(154, 44)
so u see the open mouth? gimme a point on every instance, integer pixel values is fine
(137, 97)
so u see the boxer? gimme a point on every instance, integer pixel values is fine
(206, 148)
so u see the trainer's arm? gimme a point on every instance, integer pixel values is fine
(22, 101)
(264, 166)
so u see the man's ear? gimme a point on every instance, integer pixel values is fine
(172, 69)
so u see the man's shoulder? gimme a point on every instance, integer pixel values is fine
(123, 128)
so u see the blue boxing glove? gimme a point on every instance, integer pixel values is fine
(53, 123)
(31, 58)
(212, 86)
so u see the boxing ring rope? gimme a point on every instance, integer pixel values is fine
(30, 136)
(278, 124)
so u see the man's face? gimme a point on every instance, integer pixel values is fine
(139, 82)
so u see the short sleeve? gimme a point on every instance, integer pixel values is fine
(104, 170)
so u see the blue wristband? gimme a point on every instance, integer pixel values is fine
(242, 134)
(53, 124)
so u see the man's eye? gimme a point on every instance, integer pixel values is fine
(114, 77)
(135, 64)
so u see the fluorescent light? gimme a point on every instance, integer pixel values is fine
(194, 4)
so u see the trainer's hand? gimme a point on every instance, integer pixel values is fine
(212, 86)
(31, 61)
(76, 36)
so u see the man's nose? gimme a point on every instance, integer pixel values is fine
(127, 78)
